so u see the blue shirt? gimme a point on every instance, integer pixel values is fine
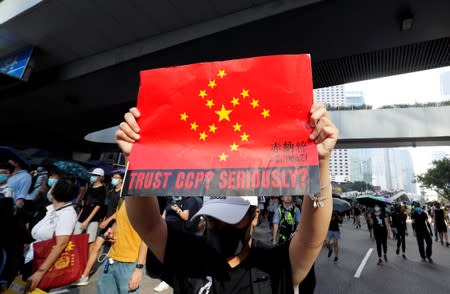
(20, 183)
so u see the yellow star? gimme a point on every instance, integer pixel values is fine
(244, 93)
(235, 101)
(223, 114)
(212, 128)
(194, 126)
(255, 103)
(223, 157)
(202, 93)
(234, 146)
(203, 136)
(221, 73)
(244, 137)
(210, 103)
(183, 116)
(265, 113)
(237, 127)
(212, 84)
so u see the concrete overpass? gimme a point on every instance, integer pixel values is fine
(87, 54)
(379, 128)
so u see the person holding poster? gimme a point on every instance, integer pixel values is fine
(227, 260)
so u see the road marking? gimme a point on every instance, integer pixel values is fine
(363, 264)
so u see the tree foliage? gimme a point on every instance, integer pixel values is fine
(361, 186)
(437, 178)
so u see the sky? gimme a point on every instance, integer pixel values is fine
(423, 86)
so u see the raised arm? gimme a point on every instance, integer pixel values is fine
(306, 244)
(143, 211)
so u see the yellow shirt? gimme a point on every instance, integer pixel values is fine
(126, 247)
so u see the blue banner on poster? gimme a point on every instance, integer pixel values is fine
(15, 64)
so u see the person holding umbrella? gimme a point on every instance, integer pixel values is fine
(381, 230)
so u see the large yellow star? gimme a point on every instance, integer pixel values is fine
(237, 127)
(265, 113)
(244, 137)
(194, 126)
(234, 147)
(212, 128)
(235, 101)
(244, 93)
(223, 114)
(210, 103)
(212, 84)
(202, 93)
(203, 136)
(221, 73)
(223, 157)
(184, 116)
(255, 103)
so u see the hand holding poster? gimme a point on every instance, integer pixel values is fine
(238, 127)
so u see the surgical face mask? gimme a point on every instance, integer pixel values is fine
(418, 209)
(227, 241)
(93, 179)
(114, 182)
(377, 208)
(51, 182)
(3, 178)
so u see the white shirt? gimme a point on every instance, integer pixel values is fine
(60, 222)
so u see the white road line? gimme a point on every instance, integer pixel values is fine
(363, 264)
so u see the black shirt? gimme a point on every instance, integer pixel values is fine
(112, 202)
(399, 221)
(334, 225)
(190, 264)
(93, 197)
(420, 225)
(379, 222)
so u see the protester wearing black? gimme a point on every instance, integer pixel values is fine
(422, 231)
(179, 210)
(381, 230)
(399, 223)
(441, 224)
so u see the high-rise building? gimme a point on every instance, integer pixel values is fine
(445, 84)
(393, 169)
(339, 161)
(340, 166)
(333, 96)
(361, 165)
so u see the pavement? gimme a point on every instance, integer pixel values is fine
(396, 276)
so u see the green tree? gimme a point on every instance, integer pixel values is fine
(437, 178)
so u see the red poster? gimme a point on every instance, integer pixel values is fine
(237, 127)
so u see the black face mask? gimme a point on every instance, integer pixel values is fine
(227, 241)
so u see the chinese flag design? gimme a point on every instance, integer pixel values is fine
(240, 114)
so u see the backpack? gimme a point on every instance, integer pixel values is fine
(288, 223)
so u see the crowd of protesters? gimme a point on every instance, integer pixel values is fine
(38, 203)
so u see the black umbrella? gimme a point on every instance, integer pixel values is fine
(340, 205)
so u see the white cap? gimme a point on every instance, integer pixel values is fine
(229, 209)
(98, 172)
